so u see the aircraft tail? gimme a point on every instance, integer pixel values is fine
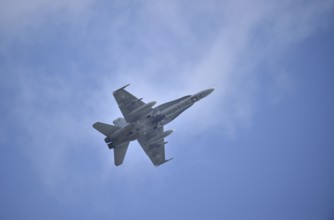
(105, 129)
(119, 150)
(119, 153)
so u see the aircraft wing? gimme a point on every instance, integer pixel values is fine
(155, 151)
(127, 102)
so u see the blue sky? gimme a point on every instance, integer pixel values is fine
(259, 147)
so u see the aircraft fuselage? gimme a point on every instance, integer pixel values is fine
(170, 113)
(158, 117)
(143, 122)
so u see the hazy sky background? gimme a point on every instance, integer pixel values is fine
(261, 146)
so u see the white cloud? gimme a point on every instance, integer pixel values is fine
(244, 35)
(20, 14)
(165, 51)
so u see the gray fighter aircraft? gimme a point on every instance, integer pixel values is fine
(143, 122)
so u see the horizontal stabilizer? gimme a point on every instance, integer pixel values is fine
(105, 129)
(119, 153)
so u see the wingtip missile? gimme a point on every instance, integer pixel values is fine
(164, 162)
(169, 159)
(121, 88)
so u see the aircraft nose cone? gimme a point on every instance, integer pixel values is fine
(207, 92)
(210, 90)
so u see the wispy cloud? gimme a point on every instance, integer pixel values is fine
(20, 15)
(165, 50)
(172, 49)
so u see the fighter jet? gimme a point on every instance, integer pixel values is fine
(144, 123)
